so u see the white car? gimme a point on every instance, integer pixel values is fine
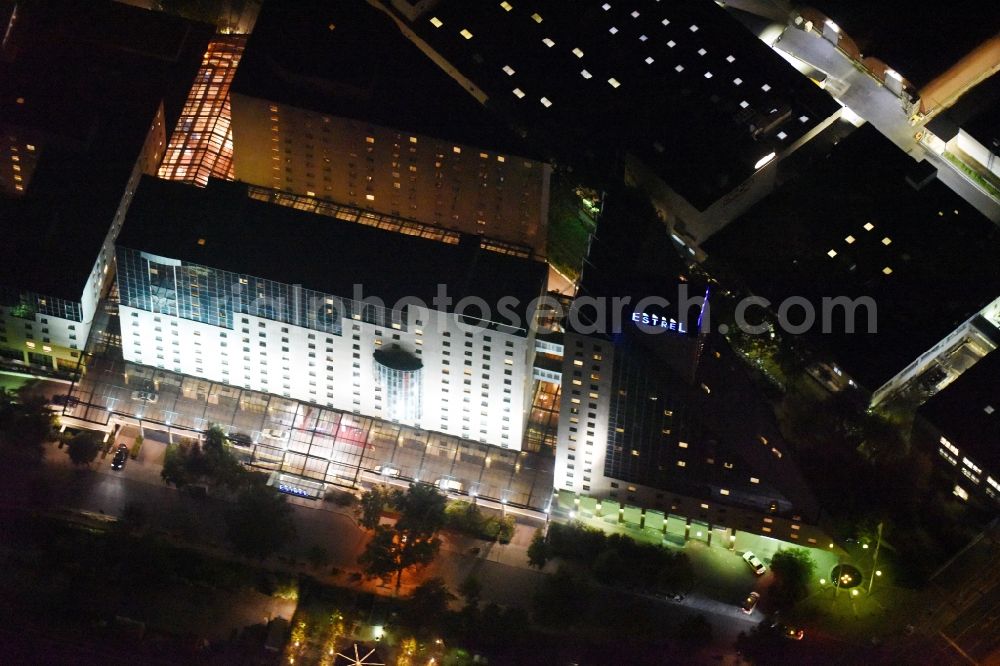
(148, 396)
(386, 471)
(275, 433)
(754, 562)
(449, 485)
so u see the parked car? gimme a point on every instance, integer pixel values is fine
(385, 470)
(750, 602)
(148, 396)
(121, 456)
(240, 439)
(754, 562)
(449, 485)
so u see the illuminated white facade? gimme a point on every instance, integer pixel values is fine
(470, 382)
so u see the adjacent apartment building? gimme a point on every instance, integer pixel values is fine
(315, 113)
(87, 92)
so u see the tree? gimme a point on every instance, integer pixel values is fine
(422, 509)
(175, 464)
(260, 523)
(428, 603)
(84, 447)
(26, 424)
(373, 503)
(539, 551)
(793, 569)
(192, 462)
(391, 551)
(411, 542)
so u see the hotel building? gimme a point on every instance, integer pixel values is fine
(658, 419)
(278, 299)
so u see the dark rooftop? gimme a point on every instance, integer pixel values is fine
(918, 44)
(967, 412)
(679, 84)
(927, 258)
(224, 228)
(350, 60)
(83, 81)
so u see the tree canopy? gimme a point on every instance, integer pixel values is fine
(83, 447)
(260, 522)
(412, 541)
(793, 569)
(26, 423)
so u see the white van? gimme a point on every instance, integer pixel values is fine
(449, 485)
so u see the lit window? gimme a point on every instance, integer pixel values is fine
(643, 38)
(831, 254)
(682, 445)
(370, 197)
(765, 87)
(465, 33)
(708, 75)
(614, 82)
(737, 81)
(694, 28)
(665, 21)
(519, 93)
(679, 68)
(456, 150)
(886, 241)
(501, 158)
(869, 226)
(635, 14)
(702, 52)
(506, 6)
(681, 463)
(585, 74)
(671, 43)
(744, 104)
(605, 6)
(887, 270)
(649, 60)
(723, 491)
(578, 53)
(754, 479)
(548, 42)
(849, 239)
(803, 119)
(509, 70)
(536, 18)
(545, 102)
(782, 135)
(730, 59)
(436, 22)
(613, 30)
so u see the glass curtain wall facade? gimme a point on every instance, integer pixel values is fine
(213, 296)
